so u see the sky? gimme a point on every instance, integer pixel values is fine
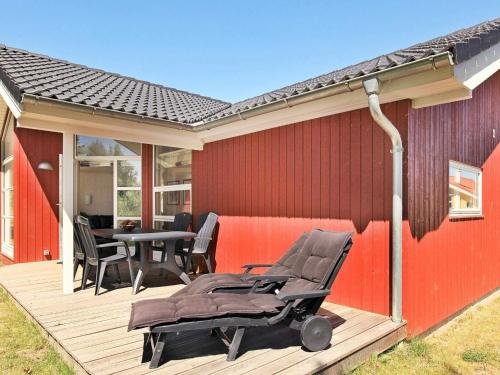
(229, 50)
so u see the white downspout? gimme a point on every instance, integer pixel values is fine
(372, 89)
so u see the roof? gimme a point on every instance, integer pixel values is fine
(24, 72)
(462, 44)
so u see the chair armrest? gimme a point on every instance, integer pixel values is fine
(255, 265)
(303, 295)
(269, 278)
(249, 267)
(110, 244)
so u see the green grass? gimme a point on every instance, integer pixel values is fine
(23, 349)
(468, 345)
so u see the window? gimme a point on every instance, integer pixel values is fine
(172, 184)
(465, 190)
(90, 146)
(110, 166)
(8, 189)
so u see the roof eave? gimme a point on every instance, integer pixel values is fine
(29, 103)
(429, 63)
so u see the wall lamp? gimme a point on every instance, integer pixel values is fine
(45, 166)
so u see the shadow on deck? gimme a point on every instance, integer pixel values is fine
(91, 332)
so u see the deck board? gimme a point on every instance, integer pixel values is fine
(93, 330)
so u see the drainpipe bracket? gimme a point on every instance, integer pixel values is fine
(397, 149)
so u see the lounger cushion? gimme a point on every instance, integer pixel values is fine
(284, 265)
(154, 312)
(316, 259)
(212, 281)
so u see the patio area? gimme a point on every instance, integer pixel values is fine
(91, 334)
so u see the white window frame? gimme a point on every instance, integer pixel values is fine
(6, 249)
(168, 188)
(467, 212)
(114, 160)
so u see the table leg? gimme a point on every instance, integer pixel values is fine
(143, 268)
(171, 265)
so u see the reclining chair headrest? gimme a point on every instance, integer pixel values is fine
(317, 261)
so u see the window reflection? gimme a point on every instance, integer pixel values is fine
(464, 188)
(91, 146)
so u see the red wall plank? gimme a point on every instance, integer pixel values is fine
(297, 177)
(36, 194)
(451, 263)
(147, 185)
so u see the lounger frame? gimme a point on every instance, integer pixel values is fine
(298, 307)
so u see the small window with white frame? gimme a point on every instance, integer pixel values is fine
(465, 190)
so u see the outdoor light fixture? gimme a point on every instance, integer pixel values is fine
(45, 166)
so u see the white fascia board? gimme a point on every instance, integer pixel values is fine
(473, 72)
(442, 98)
(100, 126)
(315, 109)
(10, 101)
(410, 87)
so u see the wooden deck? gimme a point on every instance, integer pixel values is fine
(90, 332)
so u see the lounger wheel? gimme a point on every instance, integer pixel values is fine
(316, 333)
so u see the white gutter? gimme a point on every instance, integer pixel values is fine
(433, 62)
(372, 89)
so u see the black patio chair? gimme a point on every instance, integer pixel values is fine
(79, 253)
(199, 246)
(93, 258)
(296, 303)
(182, 222)
(239, 282)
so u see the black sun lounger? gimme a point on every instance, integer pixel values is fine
(303, 292)
(240, 283)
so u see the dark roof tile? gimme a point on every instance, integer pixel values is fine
(463, 44)
(52, 78)
(26, 72)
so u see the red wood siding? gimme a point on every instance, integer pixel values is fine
(147, 186)
(333, 172)
(36, 194)
(451, 263)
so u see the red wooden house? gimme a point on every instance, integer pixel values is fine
(313, 154)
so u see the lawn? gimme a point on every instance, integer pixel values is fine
(23, 349)
(470, 344)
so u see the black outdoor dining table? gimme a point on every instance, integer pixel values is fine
(143, 238)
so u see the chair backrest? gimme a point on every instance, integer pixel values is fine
(87, 238)
(319, 261)
(284, 265)
(78, 248)
(205, 234)
(182, 221)
(201, 220)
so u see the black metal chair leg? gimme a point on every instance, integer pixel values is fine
(99, 275)
(158, 350)
(117, 272)
(208, 262)
(188, 263)
(75, 267)
(183, 260)
(86, 270)
(235, 343)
